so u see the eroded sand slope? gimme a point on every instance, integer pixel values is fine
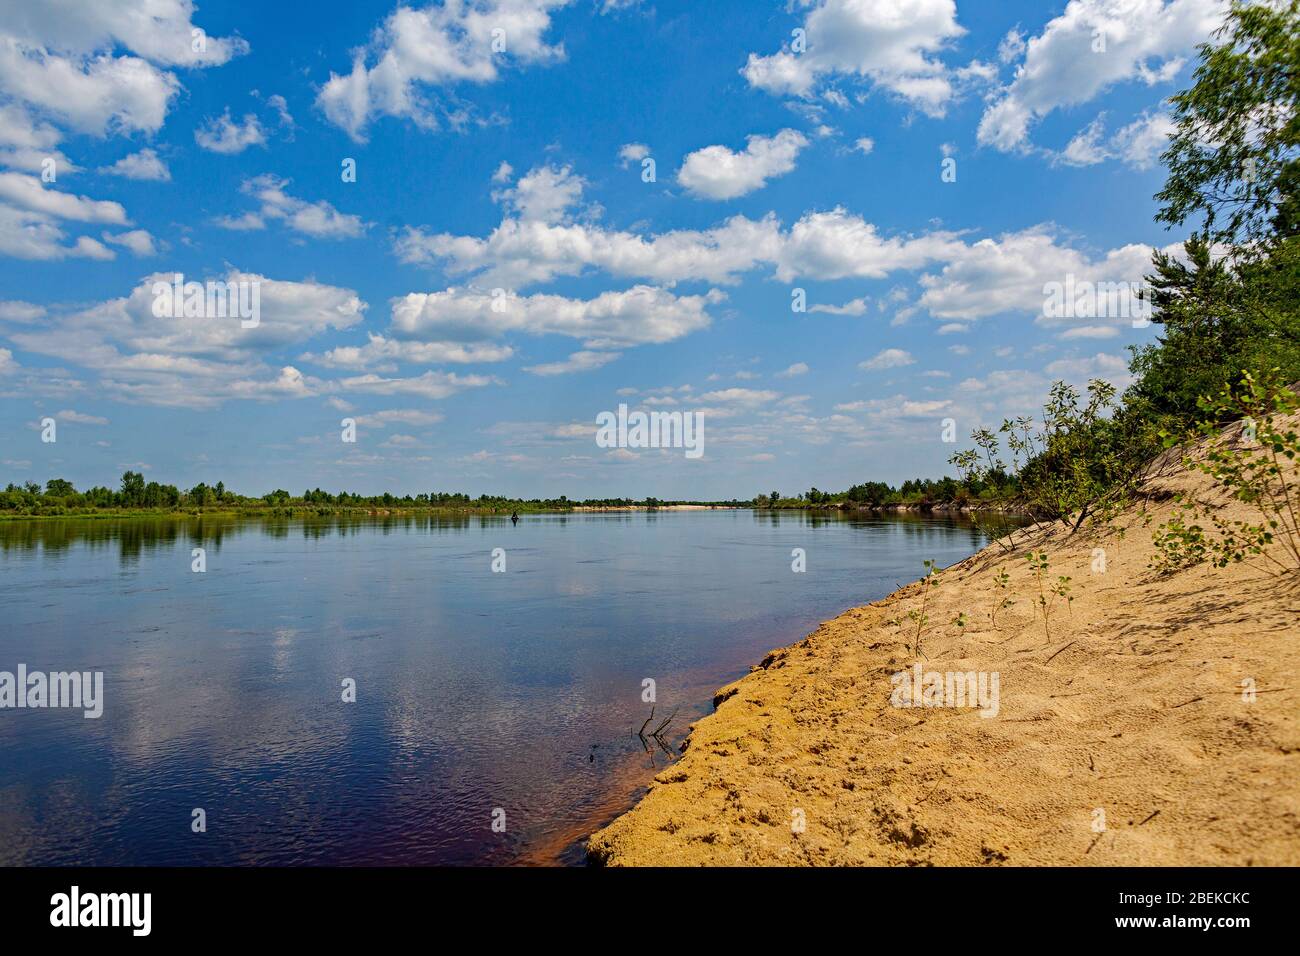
(1133, 706)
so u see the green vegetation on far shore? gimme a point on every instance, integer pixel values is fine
(137, 498)
(921, 494)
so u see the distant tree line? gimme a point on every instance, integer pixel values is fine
(134, 494)
(912, 493)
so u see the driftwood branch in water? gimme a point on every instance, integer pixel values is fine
(641, 733)
(657, 734)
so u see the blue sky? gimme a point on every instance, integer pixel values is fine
(779, 165)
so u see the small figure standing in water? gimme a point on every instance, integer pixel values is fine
(514, 518)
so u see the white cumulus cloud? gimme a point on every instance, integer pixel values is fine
(893, 44)
(717, 172)
(888, 358)
(144, 165)
(415, 51)
(1090, 47)
(221, 134)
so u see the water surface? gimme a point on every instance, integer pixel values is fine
(478, 693)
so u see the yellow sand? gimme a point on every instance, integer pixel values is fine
(1124, 734)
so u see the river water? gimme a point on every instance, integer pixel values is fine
(482, 697)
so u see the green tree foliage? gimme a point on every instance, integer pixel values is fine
(1083, 461)
(1234, 156)
(1217, 317)
(1234, 161)
(132, 489)
(874, 493)
(1075, 467)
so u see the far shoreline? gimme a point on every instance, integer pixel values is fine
(919, 508)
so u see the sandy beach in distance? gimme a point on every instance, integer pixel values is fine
(1153, 722)
(656, 508)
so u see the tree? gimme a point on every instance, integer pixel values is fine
(1074, 466)
(132, 489)
(1235, 154)
(59, 488)
(200, 495)
(1197, 303)
(1234, 160)
(1083, 461)
(874, 493)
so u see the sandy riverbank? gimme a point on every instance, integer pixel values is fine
(1122, 737)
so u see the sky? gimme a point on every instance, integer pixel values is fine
(476, 225)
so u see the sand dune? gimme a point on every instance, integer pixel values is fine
(1126, 735)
